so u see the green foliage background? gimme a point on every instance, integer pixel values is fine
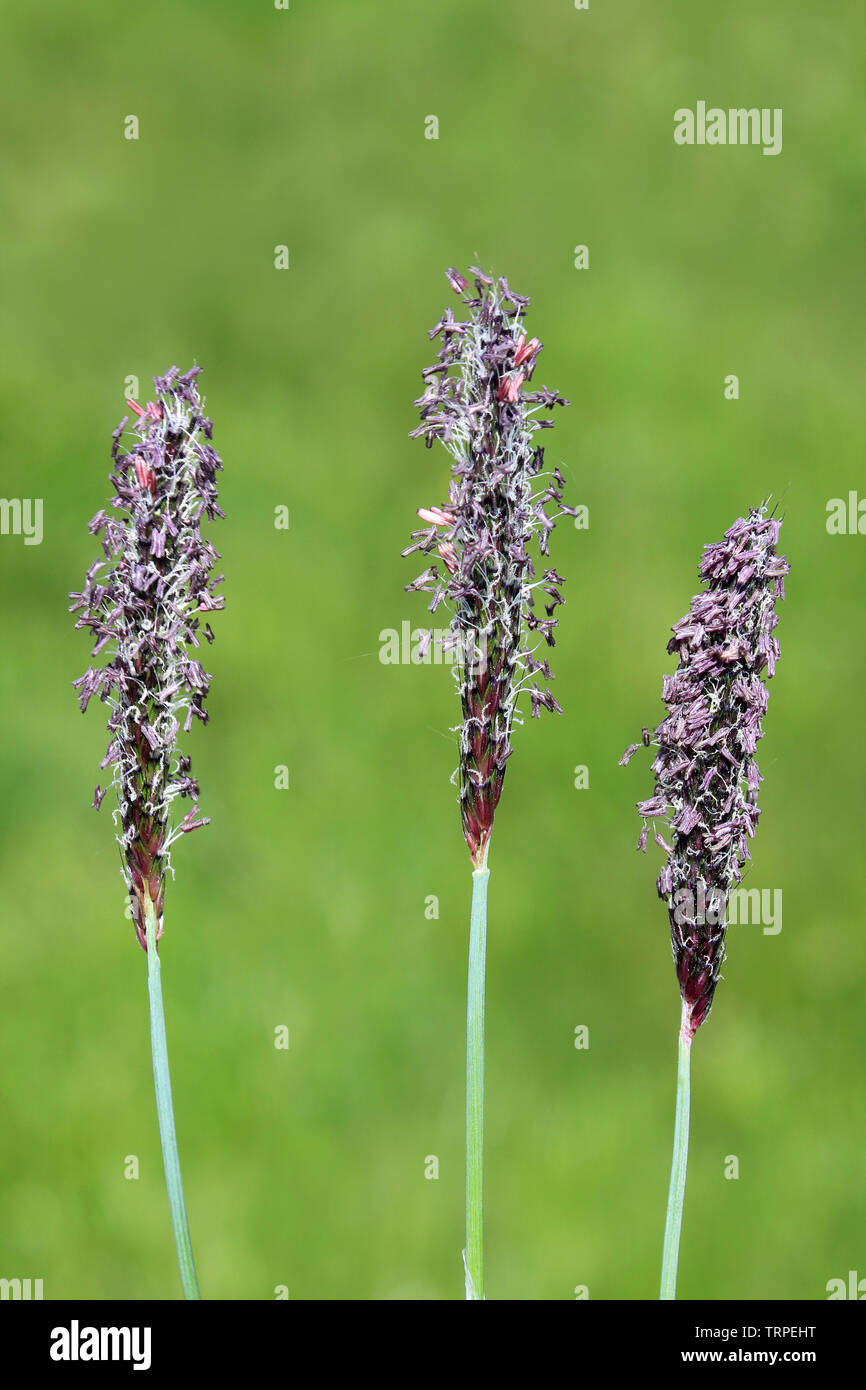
(306, 907)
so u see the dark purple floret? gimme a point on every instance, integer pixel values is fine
(475, 403)
(142, 604)
(706, 774)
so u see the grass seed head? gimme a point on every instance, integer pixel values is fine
(501, 507)
(706, 773)
(146, 604)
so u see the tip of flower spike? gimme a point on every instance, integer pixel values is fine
(133, 405)
(456, 280)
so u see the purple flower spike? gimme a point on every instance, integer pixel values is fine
(475, 401)
(706, 775)
(143, 604)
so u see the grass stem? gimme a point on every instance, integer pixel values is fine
(679, 1165)
(473, 1255)
(165, 1111)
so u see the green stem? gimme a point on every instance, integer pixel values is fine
(165, 1111)
(679, 1165)
(473, 1255)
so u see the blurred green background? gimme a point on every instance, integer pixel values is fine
(306, 907)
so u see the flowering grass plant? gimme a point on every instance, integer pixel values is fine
(146, 604)
(501, 508)
(704, 808)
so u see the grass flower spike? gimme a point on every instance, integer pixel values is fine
(146, 604)
(501, 507)
(482, 537)
(704, 808)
